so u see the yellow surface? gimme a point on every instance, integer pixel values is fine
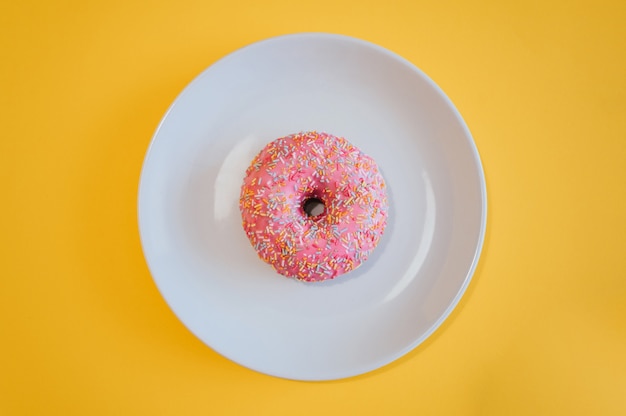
(542, 328)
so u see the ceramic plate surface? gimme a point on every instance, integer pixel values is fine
(203, 263)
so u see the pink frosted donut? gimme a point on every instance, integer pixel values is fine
(313, 206)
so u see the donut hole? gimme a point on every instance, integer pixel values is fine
(313, 207)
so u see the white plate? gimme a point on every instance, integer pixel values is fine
(208, 272)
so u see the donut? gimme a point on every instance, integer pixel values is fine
(313, 206)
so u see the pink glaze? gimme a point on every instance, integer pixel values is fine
(293, 169)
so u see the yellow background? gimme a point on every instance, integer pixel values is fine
(542, 328)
